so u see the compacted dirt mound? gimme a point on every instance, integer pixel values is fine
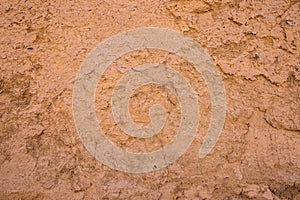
(255, 46)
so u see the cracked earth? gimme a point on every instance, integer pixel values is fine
(255, 45)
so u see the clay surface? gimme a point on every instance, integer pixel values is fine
(255, 46)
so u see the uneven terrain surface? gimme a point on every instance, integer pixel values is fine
(255, 45)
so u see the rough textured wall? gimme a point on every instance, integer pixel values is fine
(255, 45)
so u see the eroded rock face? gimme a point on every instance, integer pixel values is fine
(255, 45)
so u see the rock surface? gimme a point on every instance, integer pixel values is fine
(255, 44)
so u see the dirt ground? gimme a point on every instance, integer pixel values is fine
(256, 46)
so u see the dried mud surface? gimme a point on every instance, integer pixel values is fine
(255, 45)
